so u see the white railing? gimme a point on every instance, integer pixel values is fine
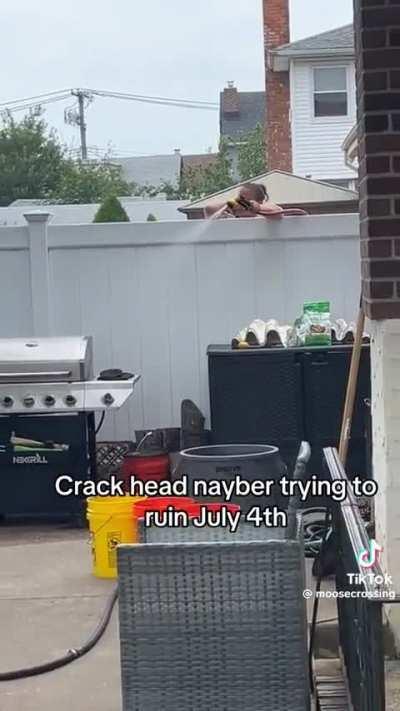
(155, 295)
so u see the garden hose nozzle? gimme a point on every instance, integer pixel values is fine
(244, 203)
(239, 201)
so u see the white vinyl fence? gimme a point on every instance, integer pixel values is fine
(155, 295)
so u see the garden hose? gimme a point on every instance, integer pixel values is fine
(313, 531)
(315, 535)
(73, 654)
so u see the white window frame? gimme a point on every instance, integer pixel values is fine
(331, 119)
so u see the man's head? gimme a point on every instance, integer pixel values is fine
(254, 191)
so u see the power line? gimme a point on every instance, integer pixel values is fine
(111, 153)
(32, 105)
(65, 92)
(18, 104)
(190, 103)
(75, 115)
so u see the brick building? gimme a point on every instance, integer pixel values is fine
(310, 98)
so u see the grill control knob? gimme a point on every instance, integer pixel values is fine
(7, 401)
(108, 399)
(49, 401)
(28, 401)
(70, 400)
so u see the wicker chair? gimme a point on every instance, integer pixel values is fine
(214, 626)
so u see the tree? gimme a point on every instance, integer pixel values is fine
(151, 217)
(34, 164)
(89, 182)
(31, 158)
(198, 182)
(252, 154)
(111, 210)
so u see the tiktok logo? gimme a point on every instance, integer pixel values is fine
(370, 557)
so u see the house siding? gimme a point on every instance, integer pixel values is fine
(317, 142)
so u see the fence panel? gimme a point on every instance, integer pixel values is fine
(155, 295)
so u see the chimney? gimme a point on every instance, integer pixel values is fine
(278, 131)
(230, 100)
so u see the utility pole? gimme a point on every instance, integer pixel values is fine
(82, 124)
(76, 117)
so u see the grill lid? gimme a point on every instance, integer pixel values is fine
(65, 359)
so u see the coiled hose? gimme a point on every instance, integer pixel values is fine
(73, 654)
(314, 531)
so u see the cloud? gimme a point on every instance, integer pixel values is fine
(181, 49)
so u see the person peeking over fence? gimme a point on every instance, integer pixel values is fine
(252, 201)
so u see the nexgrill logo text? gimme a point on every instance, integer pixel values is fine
(31, 459)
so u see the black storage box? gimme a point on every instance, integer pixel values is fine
(283, 396)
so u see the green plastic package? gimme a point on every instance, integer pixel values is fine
(316, 323)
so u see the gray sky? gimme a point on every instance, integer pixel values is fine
(180, 48)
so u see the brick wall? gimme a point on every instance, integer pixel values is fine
(377, 29)
(278, 133)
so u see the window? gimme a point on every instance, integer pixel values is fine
(330, 91)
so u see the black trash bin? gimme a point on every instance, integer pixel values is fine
(250, 462)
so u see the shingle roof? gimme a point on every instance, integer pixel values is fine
(342, 38)
(251, 113)
(151, 170)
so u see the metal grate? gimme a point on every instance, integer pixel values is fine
(360, 631)
(360, 618)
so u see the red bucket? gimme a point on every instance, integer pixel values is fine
(145, 468)
(232, 508)
(161, 504)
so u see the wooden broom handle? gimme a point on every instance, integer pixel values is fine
(351, 389)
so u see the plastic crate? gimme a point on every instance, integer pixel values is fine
(109, 457)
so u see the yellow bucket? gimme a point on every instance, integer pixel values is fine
(111, 522)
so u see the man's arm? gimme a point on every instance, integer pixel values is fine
(212, 210)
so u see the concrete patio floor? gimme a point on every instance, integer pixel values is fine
(50, 602)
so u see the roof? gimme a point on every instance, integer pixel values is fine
(340, 38)
(137, 209)
(337, 42)
(283, 188)
(151, 170)
(198, 160)
(251, 113)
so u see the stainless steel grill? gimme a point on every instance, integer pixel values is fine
(55, 375)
